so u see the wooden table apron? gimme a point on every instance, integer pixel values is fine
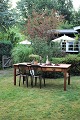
(65, 70)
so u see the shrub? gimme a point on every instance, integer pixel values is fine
(34, 57)
(74, 60)
(55, 74)
(21, 53)
(58, 60)
(5, 48)
(40, 46)
(43, 48)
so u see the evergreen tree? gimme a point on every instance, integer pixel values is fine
(6, 17)
(64, 7)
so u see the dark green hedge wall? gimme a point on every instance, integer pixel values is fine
(5, 48)
(72, 59)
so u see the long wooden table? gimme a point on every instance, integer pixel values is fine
(65, 68)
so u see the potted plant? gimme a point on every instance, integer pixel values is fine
(34, 58)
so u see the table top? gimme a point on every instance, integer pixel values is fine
(46, 65)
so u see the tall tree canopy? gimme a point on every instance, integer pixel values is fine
(64, 7)
(76, 20)
(6, 18)
(26, 6)
(39, 23)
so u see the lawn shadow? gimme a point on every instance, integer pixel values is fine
(53, 84)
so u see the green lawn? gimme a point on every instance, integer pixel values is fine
(49, 103)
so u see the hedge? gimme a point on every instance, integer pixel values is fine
(72, 59)
(5, 49)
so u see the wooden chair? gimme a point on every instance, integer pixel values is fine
(36, 72)
(23, 73)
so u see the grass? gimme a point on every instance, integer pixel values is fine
(49, 103)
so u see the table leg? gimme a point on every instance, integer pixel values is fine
(69, 78)
(14, 76)
(65, 80)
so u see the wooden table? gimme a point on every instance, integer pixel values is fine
(65, 68)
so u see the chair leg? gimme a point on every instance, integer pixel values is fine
(35, 81)
(19, 79)
(32, 81)
(44, 81)
(27, 81)
(40, 81)
(23, 79)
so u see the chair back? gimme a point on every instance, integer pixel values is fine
(22, 68)
(35, 69)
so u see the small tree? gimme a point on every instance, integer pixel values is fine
(42, 48)
(20, 53)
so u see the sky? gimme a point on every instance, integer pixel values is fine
(76, 3)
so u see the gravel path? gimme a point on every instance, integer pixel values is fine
(6, 71)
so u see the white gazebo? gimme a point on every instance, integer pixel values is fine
(64, 38)
(25, 42)
(68, 44)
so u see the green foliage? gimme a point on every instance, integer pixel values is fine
(66, 25)
(34, 57)
(40, 46)
(6, 17)
(65, 8)
(77, 37)
(72, 59)
(10, 36)
(55, 60)
(17, 30)
(13, 38)
(76, 20)
(26, 6)
(20, 53)
(5, 48)
(56, 50)
(13, 34)
(3, 35)
(78, 55)
(58, 60)
(43, 48)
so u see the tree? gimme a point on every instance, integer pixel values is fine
(39, 24)
(26, 7)
(76, 20)
(65, 8)
(66, 25)
(36, 23)
(6, 18)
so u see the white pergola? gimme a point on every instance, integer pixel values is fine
(63, 38)
(68, 42)
(25, 42)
